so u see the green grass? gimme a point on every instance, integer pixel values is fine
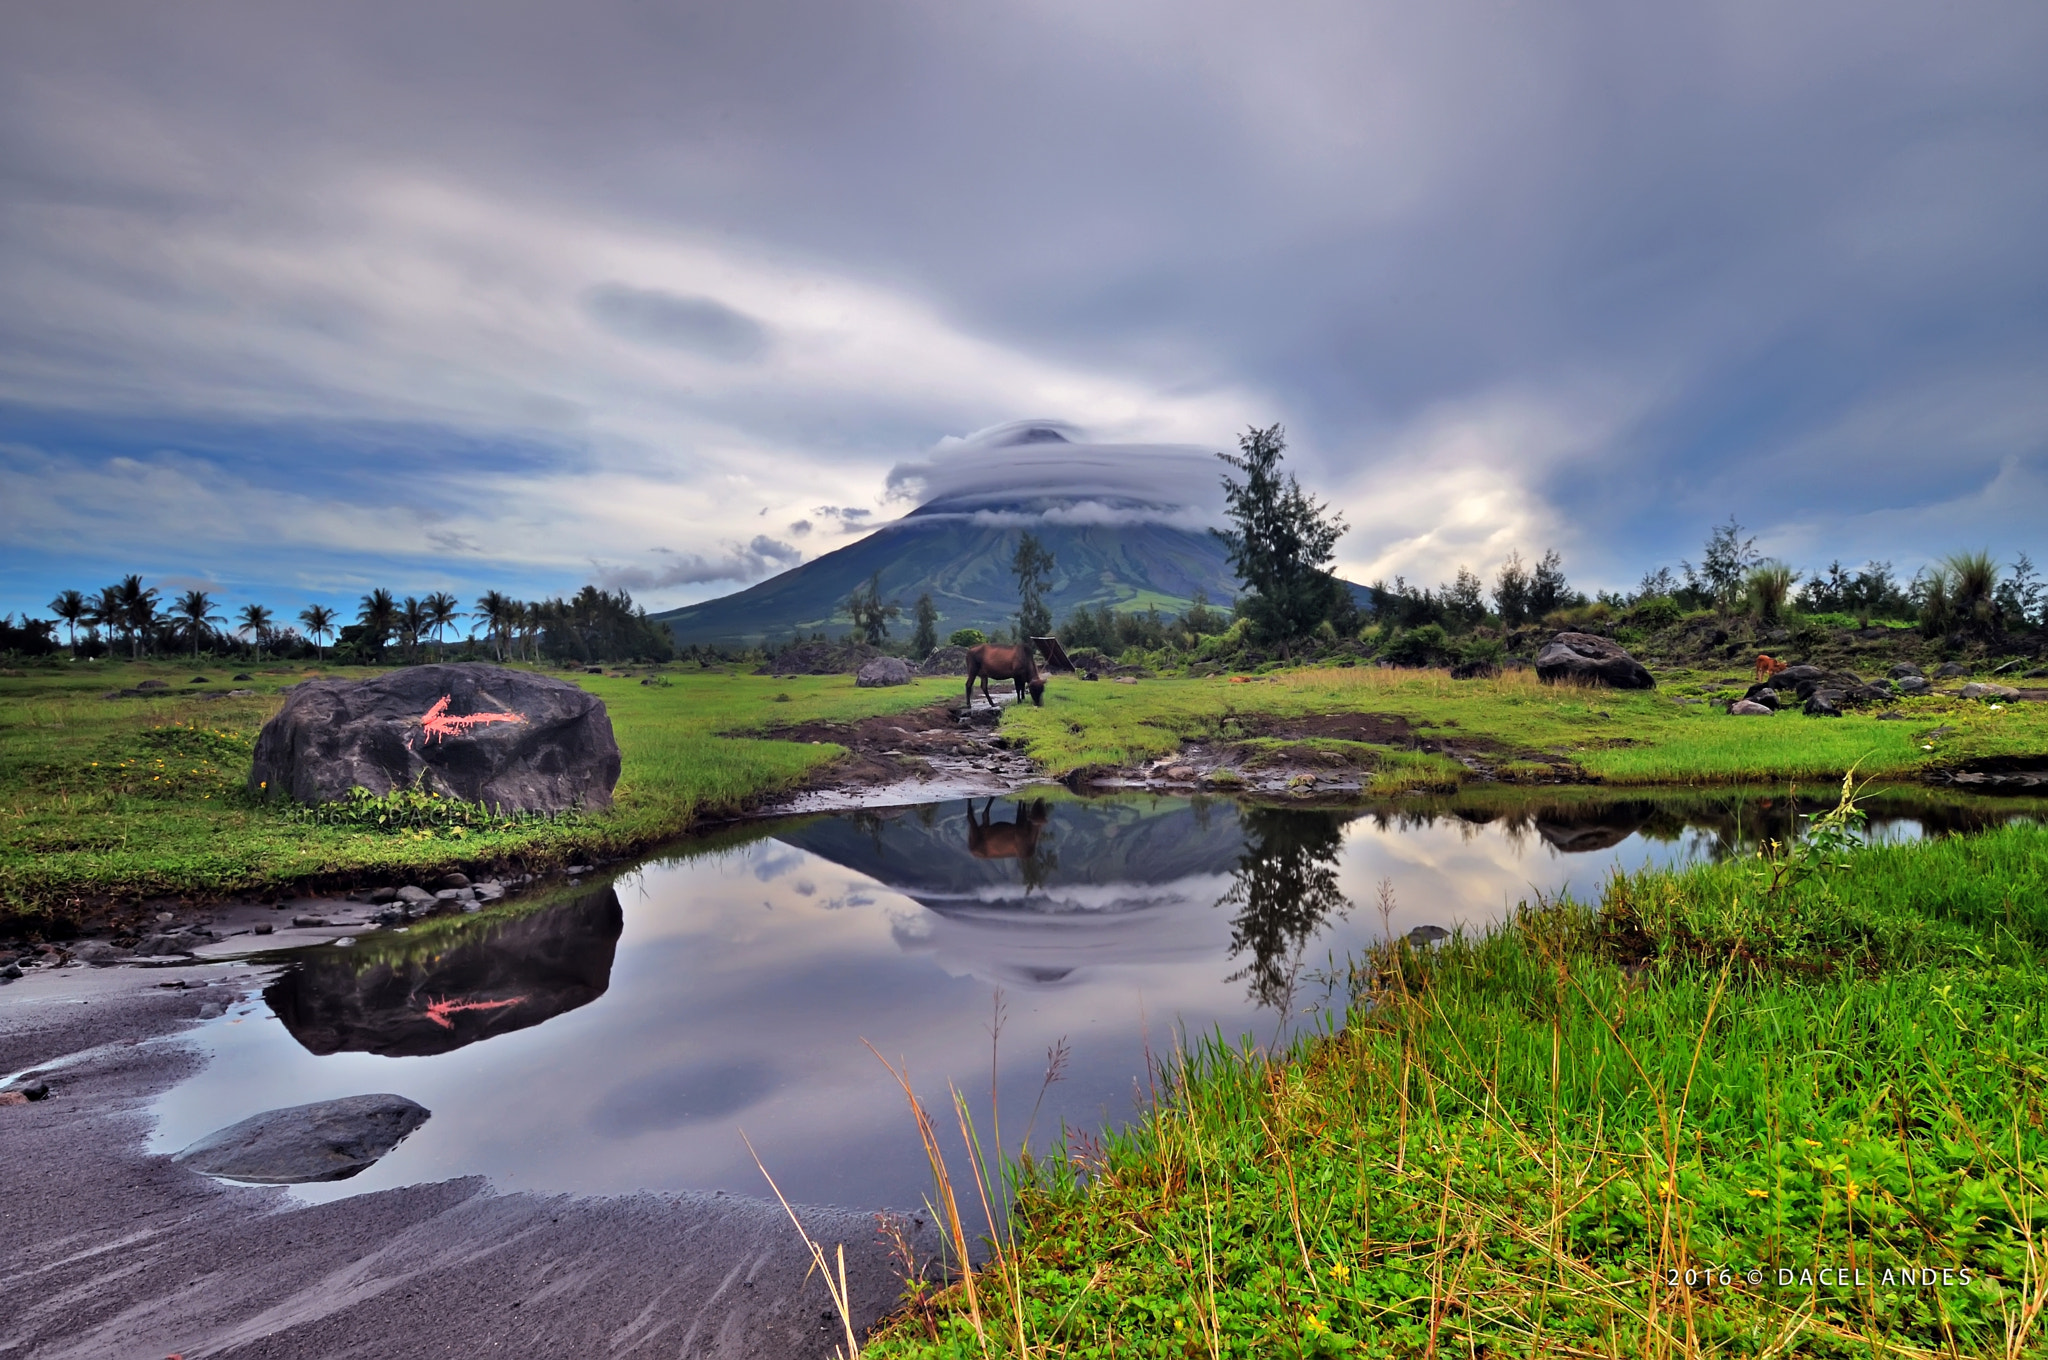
(1619, 737)
(1516, 1140)
(122, 798)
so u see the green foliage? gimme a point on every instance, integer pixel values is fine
(1768, 588)
(870, 614)
(1580, 1133)
(1283, 540)
(1032, 565)
(1724, 567)
(926, 616)
(1424, 646)
(409, 809)
(1656, 612)
(967, 637)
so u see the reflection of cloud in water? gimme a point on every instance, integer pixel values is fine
(1055, 941)
(683, 1095)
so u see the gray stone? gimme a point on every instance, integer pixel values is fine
(451, 895)
(309, 922)
(411, 894)
(1978, 689)
(882, 672)
(379, 896)
(1914, 684)
(945, 661)
(452, 880)
(10, 971)
(328, 1140)
(1747, 708)
(547, 747)
(1903, 670)
(1586, 659)
(391, 916)
(1823, 703)
(1950, 670)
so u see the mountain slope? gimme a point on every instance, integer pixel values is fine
(963, 559)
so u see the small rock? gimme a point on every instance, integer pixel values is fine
(391, 916)
(1891, 715)
(581, 869)
(1749, 708)
(1126, 680)
(1181, 772)
(1982, 690)
(165, 916)
(309, 922)
(379, 896)
(1822, 704)
(240, 693)
(212, 1010)
(265, 929)
(10, 972)
(328, 1140)
(1913, 684)
(1903, 670)
(197, 680)
(243, 675)
(450, 895)
(154, 684)
(1950, 670)
(411, 895)
(452, 880)
(490, 892)
(35, 1089)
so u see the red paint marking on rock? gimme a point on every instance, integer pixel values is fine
(438, 724)
(439, 1011)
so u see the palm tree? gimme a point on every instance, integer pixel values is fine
(491, 610)
(195, 607)
(137, 609)
(412, 624)
(319, 621)
(255, 621)
(104, 611)
(378, 616)
(70, 606)
(441, 609)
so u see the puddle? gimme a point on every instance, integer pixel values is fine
(619, 1037)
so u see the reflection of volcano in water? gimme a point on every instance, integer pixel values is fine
(453, 984)
(1031, 892)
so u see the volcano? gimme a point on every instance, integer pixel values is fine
(1127, 526)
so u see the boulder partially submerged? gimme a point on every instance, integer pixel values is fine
(328, 1140)
(512, 740)
(1582, 658)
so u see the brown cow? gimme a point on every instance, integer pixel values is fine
(1766, 667)
(987, 661)
(991, 839)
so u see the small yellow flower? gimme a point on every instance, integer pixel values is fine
(1340, 1271)
(1758, 1194)
(1853, 1190)
(1314, 1323)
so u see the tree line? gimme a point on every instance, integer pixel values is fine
(132, 619)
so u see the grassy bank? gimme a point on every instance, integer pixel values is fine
(1644, 1130)
(1526, 728)
(130, 797)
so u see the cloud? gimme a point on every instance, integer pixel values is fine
(1044, 471)
(764, 556)
(703, 324)
(800, 527)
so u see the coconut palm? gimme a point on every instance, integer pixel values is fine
(195, 609)
(254, 620)
(378, 617)
(104, 611)
(441, 609)
(493, 611)
(412, 626)
(319, 621)
(137, 608)
(71, 607)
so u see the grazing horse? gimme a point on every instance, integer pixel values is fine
(991, 839)
(987, 661)
(1766, 667)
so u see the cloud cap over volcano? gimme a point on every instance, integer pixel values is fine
(1049, 471)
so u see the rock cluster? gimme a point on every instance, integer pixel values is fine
(823, 658)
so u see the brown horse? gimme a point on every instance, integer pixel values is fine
(991, 839)
(987, 661)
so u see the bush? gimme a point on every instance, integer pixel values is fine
(1424, 646)
(967, 637)
(1657, 612)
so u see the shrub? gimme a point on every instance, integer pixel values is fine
(1424, 646)
(1659, 611)
(967, 637)
(1768, 587)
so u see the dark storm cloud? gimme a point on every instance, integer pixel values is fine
(738, 563)
(657, 318)
(1598, 271)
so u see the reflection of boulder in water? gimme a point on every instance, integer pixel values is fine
(405, 997)
(1582, 830)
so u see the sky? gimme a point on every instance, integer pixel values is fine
(297, 300)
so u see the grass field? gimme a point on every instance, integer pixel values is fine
(1619, 737)
(134, 797)
(130, 797)
(1656, 1129)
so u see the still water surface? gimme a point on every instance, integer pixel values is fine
(618, 1039)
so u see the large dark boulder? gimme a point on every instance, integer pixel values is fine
(1588, 660)
(408, 996)
(945, 661)
(512, 740)
(882, 672)
(329, 1140)
(823, 658)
